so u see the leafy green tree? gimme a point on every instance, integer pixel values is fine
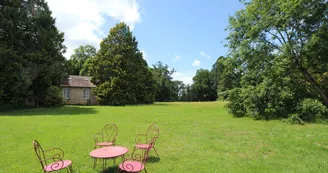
(47, 51)
(226, 75)
(121, 74)
(87, 66)
(166, 88)
(14, 77)
(79, 63)
(54, 96)
(282, 73)
(204, 87)
(31, 52)
(294, 31)
(186, 93)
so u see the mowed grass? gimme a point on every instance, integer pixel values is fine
(194, 137)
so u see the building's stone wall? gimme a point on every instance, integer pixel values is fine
(76, 97)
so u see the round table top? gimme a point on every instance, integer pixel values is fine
(109, 152)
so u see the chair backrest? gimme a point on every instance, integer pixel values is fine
(39, 153)
(109, 133)
(140, 157)
(152, 134)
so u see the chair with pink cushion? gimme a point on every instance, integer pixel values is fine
(52, 159)
(107, 137)
(135, 163)
(147, 141)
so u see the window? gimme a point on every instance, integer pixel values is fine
(86, 93)
(66, 93)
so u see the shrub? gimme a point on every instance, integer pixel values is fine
(235, 105)
(311, 110)
(53, 96)
(88, 102)
(294, 119)
(223, 95)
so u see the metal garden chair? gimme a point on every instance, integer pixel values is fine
(52, 159)
(148, 140)
(107, 137)
(135, 163)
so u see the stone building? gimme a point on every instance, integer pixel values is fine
(78, 90)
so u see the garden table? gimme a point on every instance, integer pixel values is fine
(106, 153)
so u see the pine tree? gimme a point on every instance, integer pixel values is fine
(31, 51)
(121, 74)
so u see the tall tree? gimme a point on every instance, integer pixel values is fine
(226, 75)
(295, 31)
(166, 88)
(31, 51)
(48, 49)
(204, 87)
(121, 74)
(79, 62)
(14, 44)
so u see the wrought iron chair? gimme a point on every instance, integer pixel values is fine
(135, 163)
(107, 137)
(52, 159)
(148, 140)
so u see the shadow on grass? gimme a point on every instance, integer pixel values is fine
(163, 104)
(109, 170)
(153, 159)
(62, 110)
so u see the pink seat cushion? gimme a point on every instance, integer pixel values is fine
(143, 146)
(131, 166)
(104, 143)
(55, 166)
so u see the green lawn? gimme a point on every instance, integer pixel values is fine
(194, 137)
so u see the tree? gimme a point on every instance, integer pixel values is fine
(294, 31)
(79, 62)
(48, 49)
(31, 52)
(273, 43)
(166, 88)
(121, 74)
(14, 43)
(226, 75)
(185, 93)
(204, 88)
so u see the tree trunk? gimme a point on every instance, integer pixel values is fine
(315, 84)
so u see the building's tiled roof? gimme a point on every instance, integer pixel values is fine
(78, 81)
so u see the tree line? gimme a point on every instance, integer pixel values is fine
(85, 61)
(32, 64)
(277, 66)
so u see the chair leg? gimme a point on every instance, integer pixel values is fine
(133, 151)
(71, 168)
(118, 170)
(145, 170)
(156, 152)
(94, 163)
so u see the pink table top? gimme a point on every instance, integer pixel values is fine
(109, 152)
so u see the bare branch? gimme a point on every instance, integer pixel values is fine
(275, 46)
(282, 37)
(298, 30)
(274, 35)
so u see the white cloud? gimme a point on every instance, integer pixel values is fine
(144, 55)
(196, 63)
(185, 78)
(81, 20)
(176, 58)
(203, 54)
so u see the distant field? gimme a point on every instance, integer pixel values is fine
(194, 137)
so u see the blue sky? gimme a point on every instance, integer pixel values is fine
(186, 35)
